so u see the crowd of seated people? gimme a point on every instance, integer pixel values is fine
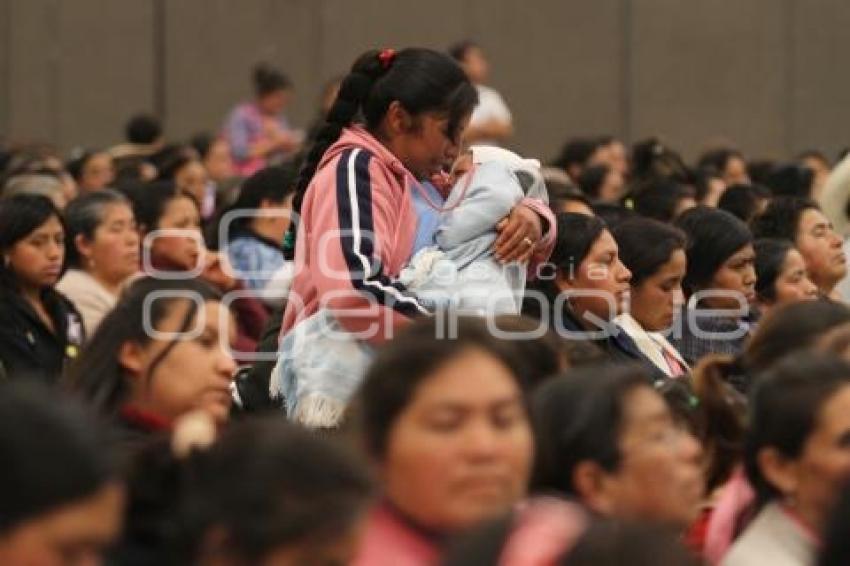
(392, 342)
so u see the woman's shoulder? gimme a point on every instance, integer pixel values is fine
(74, 276)
(13, 313)
(66, 316)
(388, 540)
(9, 299)
(250, 241)
(626, 322)
(357, 170)
(78, 282)
(772, 538)
(358, 147)
(247, 246)
(53, 297)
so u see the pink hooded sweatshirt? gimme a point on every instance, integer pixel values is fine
(356, 232)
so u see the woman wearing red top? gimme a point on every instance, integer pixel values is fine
(162, 353)
(445, 422)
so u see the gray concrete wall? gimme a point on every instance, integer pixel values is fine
(766, 74)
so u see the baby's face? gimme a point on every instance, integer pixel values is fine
(462, 165)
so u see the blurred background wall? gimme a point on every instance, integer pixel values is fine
(769, 75)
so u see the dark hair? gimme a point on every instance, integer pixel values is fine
(128, 170)
(611, 542)
(651, 159)
(591, 180)
(770, 257)
(743, 200)
(20, 215)
(53, 453)
(576, 151)
(790, 328)
(701, 180)
(170, 159)
(759, 170)
(150, 200)
(578, 417)
(792, 180)
(202, 143)
(83, 216)
(561, 192)
(540, 357)
(645, 245)
(784, 410)
(143, 129)
(836, 545)
(293, 487)
(416, 354)
(576, 234)
(97, 375)
(718, 159)
(612, 213)
(75, 166)
(719, 417)
(713, 237)
(273, 184)
(781, 218)
(422, 80)
(722, 382)
(459, 50)
(268, 80)
(659, 198)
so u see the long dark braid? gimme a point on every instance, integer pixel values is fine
(422, 80)
(353, 91)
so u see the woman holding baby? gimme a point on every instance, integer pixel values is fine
(358, 222)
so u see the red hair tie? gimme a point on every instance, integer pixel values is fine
(386, 57)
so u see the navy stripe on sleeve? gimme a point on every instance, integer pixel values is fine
(354, 207)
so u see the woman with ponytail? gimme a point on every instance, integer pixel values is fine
(722, 384)
(355, 193)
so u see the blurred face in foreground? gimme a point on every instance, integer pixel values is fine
(461, 450)
(78, 533)
(659, 476)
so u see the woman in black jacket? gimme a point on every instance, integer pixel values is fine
(40, 330)
(584, 288)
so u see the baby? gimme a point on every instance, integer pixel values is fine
(459, 270)
(320, 365)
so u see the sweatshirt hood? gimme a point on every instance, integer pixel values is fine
(358, 137)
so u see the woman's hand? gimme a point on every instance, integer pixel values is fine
(215, 274)
(519, 233)
(287, 141)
